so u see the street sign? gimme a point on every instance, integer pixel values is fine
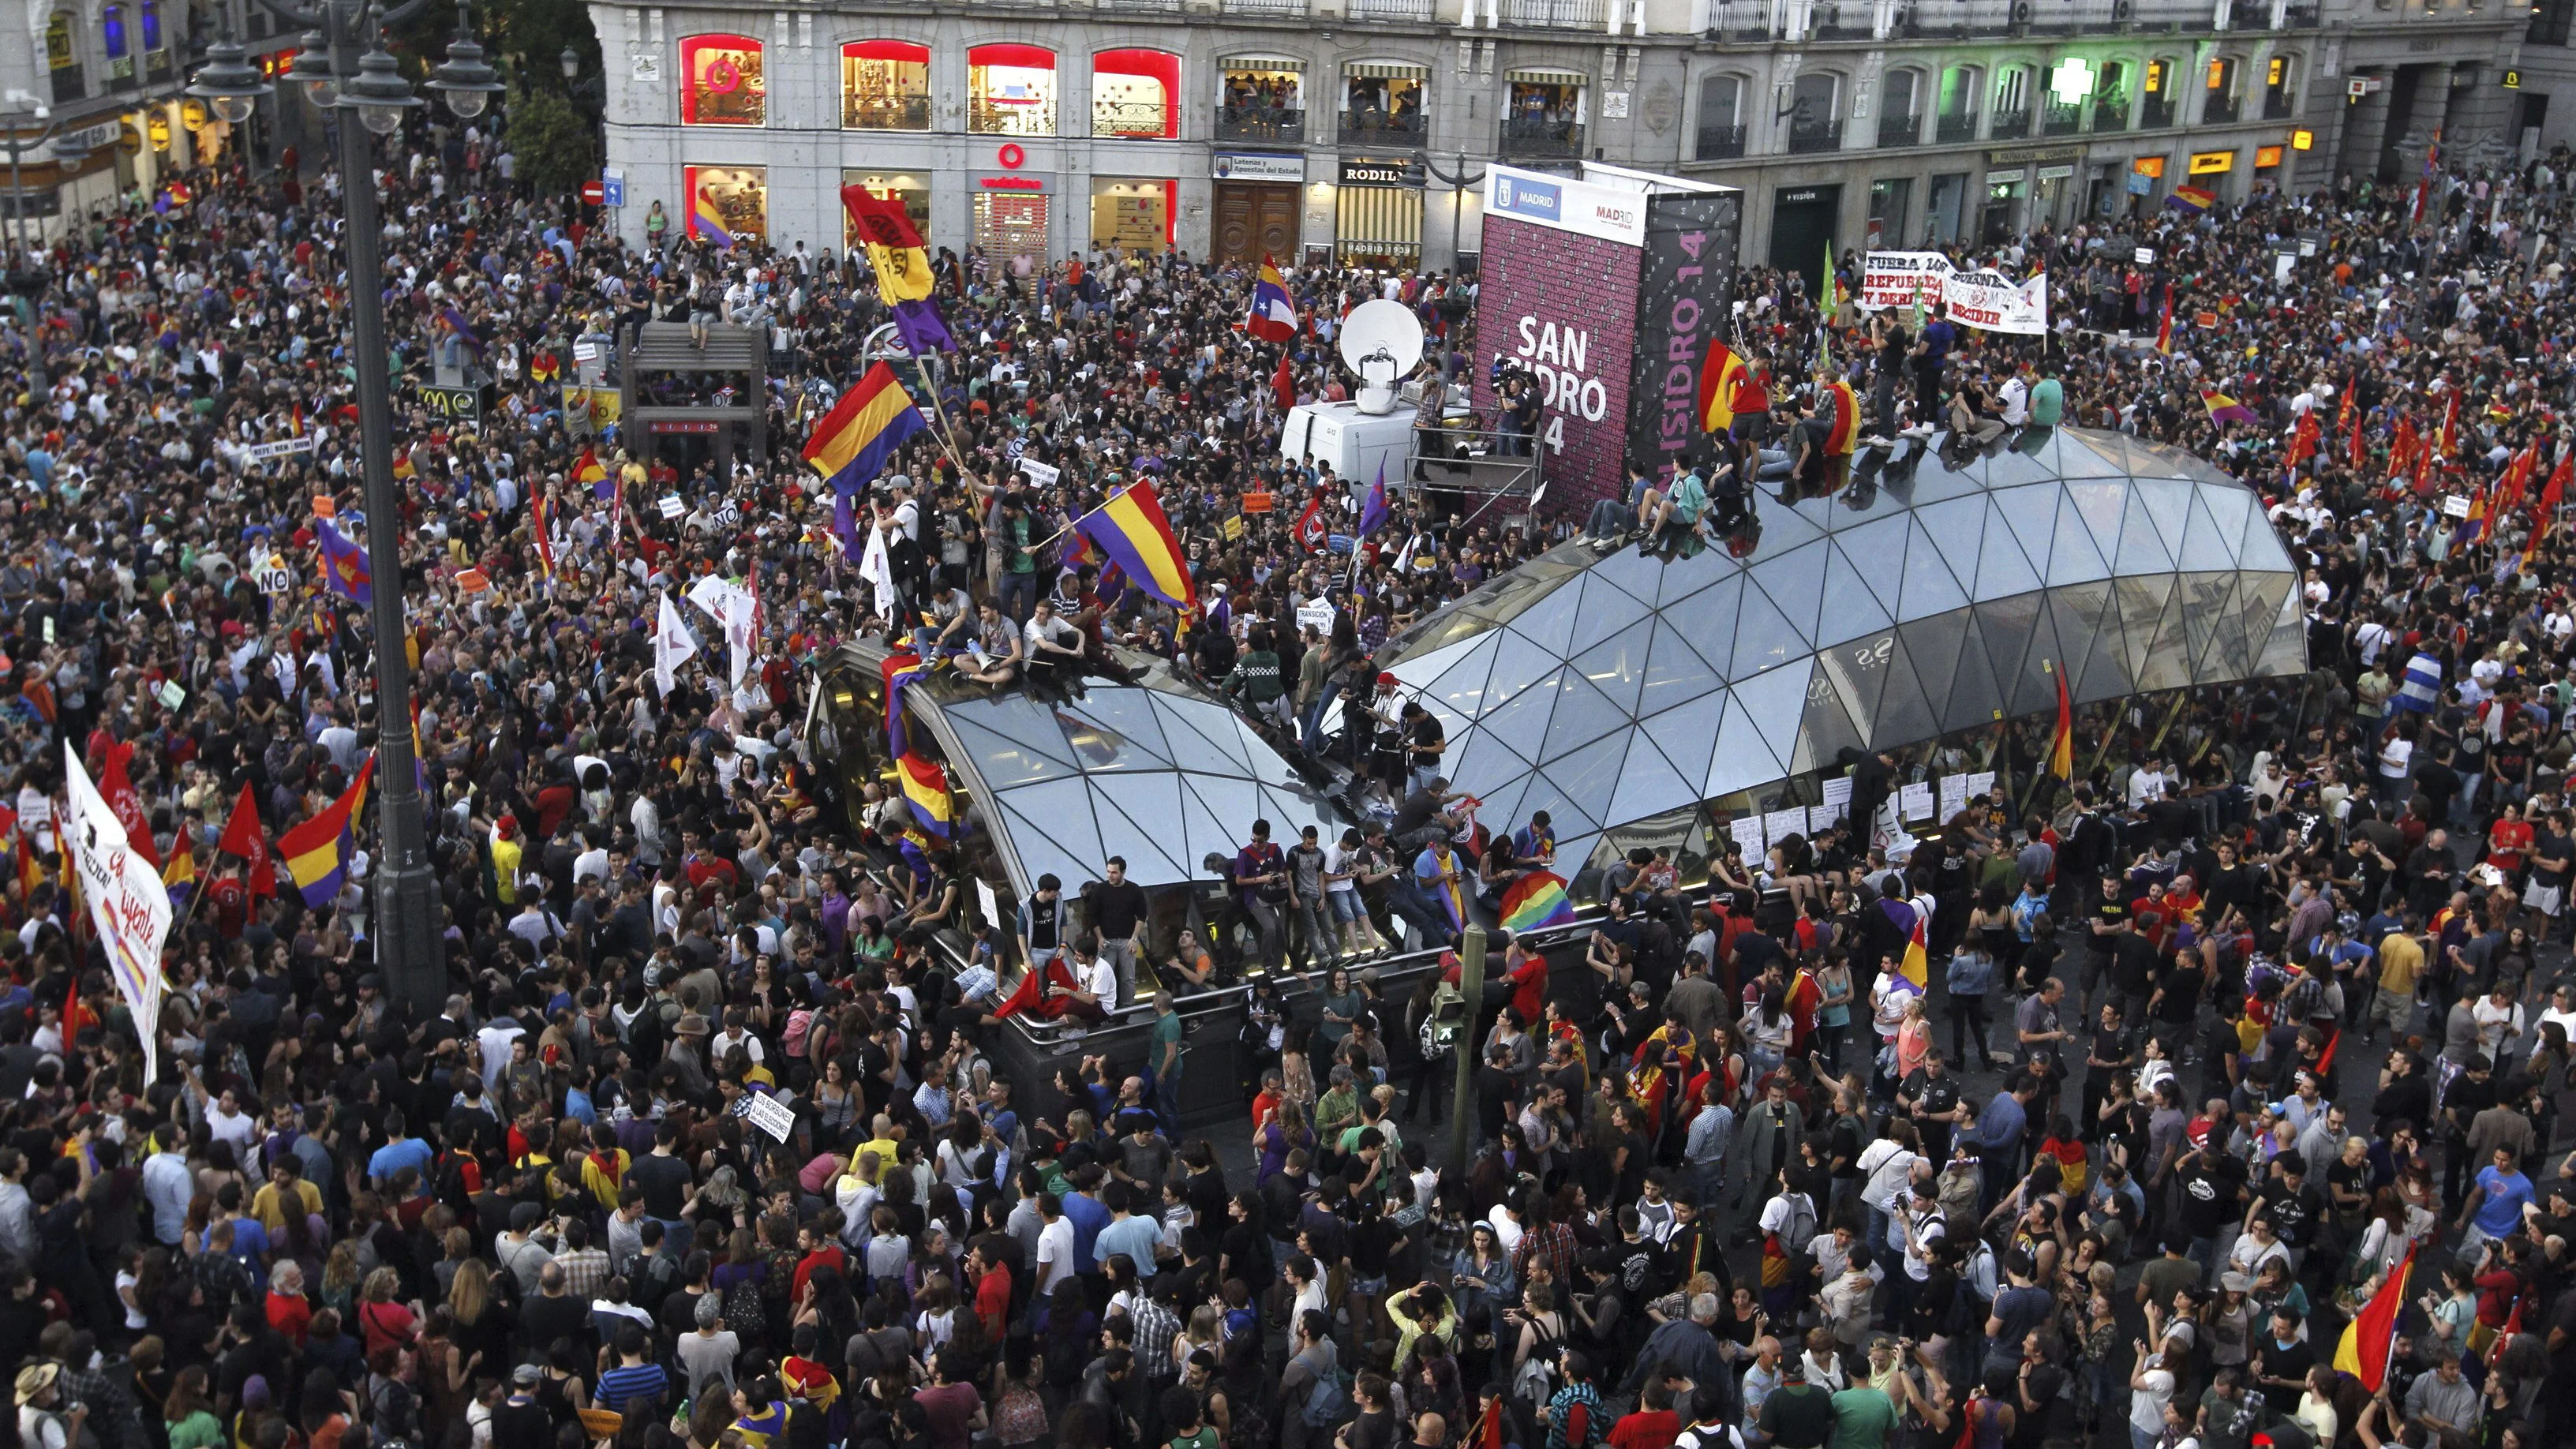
(612, 188)
(593, 192)
(128, 139)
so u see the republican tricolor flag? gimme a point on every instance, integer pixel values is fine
(1274, 313)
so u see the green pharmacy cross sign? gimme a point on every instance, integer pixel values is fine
(2072, 81)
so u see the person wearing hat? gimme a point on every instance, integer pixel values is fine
(42, 1421)
(519, 1421)
(1798, 1414)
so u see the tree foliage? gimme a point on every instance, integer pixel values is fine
(552, 143)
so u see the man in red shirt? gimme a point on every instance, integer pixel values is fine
(2509, 841)
(821, 1251)
(992, 1292)
(1654, 1425)
(1526, 970)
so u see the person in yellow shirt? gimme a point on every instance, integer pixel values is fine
(605, 1166)
(506, 853)
(285, 1185)
(2401, 965)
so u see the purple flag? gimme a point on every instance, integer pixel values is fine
(922, 329)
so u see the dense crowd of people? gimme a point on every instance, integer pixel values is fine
(1703, 1206)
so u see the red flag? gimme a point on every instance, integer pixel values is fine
(117, 789)
(2401, 447)
(1283, 383)
(243, 837)
(1311, 528)
(75, 1015)
(2373, 1331)
(2303, 440)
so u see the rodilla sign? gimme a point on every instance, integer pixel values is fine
(1591, 285)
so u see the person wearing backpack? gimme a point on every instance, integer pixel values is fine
(1788, 1225)
(1311, 1398)
(1710, 1426)
(1573, 1415)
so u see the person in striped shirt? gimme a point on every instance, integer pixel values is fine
(636, 1377)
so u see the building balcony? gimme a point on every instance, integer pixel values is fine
(1276, 125)
(1265, 7)
(2110, 116)
(2302, 17)
(1719, 143)
(1130, 120)
(993, 118)
(885, 113)
(1900, 131)
(2156, 114)
(2219, 111)
(1141, 7)
(70, 84)
(1411, 12)
(1377, 128)
(1588, 15)
(2011, 125)
(2059, 120)
(1811, 139)
(1525, 136)
(1954, 129)
(2277, 108)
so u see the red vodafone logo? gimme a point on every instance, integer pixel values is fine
(1011, 156)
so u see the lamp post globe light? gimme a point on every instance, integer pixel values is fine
(345, 67)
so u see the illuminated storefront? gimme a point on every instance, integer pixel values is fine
(1136, 94)
(911, 190)
(885, 86)
(721, 82)
(1132, 214)
(727, 204)
(1010, 90)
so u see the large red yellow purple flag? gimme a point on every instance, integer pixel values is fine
(2061, 747)
(1132, 530)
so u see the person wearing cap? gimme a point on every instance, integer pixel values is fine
(43, 1421)
(1797, 1414)
(519, 1421)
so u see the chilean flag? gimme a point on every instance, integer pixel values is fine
(1274, 316)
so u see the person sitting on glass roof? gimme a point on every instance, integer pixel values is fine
(995, 652)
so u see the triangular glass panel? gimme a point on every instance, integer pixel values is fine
(1859, 672)
(2230, 656)
(2142, 545)
(1518, 664)
(1852, 606)
(2285, 652)
(1954, 529)
(2202, 547)
(1877, 549)
(1500, 807)
(1016, 716)
(2141, 600)
(1606, 611)
(1831, 724)
(1219, 826)
(2006, 625)
(1291, 810)
(1707, 618)
(1796, 583)
(1419, 669)
(1932, 644)
(1521, 723)
(1687, 733)
(2033, 688)
(2206, 599)
(1060, 810)
(2228, 506)
(1461, 686)
(1975, 698)
(1617, 665)
(1963, 472)
(1583, 714)
(1203, 736)
(1267, 765)
(2090, 455)
(1930, 587)
(1763, 638)
(2072, 556)
(1741, 759)
(1143, 849)
(1773, 705)
(2012, 467)
(2168, 504)
(2169, 657)
(2101, 506)
(2031, 513)
(1567, 811)
(2088, 629)
(1674, 670)
(1550, 622)
(1635, 573)
(1480, 764)
(2002, 568)
(1005, 762)
(1783, 526)
(1647, 784)
(1906, 712)
(2262, 549)
(1683, 576)
(1115, 729)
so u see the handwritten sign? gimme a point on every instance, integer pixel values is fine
(1781, 824)
(1258, 502)
(1915, 801)
(1981, 784)
(1838, 797)
(1747, 830)
(1954, 795)
(283, 447)
(771, 1115)
(170, 694)
(672, 507)
(1041, 474)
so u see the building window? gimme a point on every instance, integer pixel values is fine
(1382, 103)
(2159, 108)
(885, 86)
(1721, 118)
(1815, 112)
(2012, 103)
(1134, 94)
(2218, 106)
(2280, 82)
(1263, 99)
(1958, 120)
(2549, 22)
(62, 58)
(913, 191)
(1543, 113)
(111, 32)
(1134, 215)
(150, 11)
(727, 204)
(1887, 203)
(721, 83)
(1010, 90)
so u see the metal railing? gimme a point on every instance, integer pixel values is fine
(1164, 7)
(2111, 115)
(2302, 17)
(1810, 139)
(1719, 143)
(1416, 12)
(70, 83)
(2218, 110)
(2061, 120)
(2011, 125)
(1261, 123)
(2277, 108)
(1592, 15)
(992, 118)
(1900, 130)
(1379, 128)
(2156, 114)
(885, 113)
(1956, 128)
(1265, 7)
(1134, 120)
(1524, 136)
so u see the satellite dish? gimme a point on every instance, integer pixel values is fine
(1382, 342)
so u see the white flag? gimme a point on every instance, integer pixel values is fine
(740, 607)
(673, 646)
(877, 570)
(127, 902)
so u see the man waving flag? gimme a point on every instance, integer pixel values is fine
(1274, 315)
